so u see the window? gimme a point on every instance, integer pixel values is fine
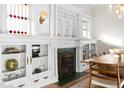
(85, 31)
(17, 19)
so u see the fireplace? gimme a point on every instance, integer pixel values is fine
(66, 62)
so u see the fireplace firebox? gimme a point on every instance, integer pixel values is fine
(66, 62)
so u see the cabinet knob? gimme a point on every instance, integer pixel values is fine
(45, 77)
(20, 86)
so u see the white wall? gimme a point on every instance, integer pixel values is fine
(0, 17)
(35, 10)
(108, 28)
(3, 14)
(86, 8)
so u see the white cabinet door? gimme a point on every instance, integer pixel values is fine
(39, 64)
(17, 77)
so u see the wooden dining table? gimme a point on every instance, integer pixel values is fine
(107, 59)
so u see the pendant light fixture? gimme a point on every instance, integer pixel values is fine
(117, 9)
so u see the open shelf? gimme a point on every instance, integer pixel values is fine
(40, 72)
(39, 64)
(39, 57)
(44, 73)
(11, 75)
(13, 54)
(87, 50)
(6, 80)
(26, 59)
(15, 71)
(66, 23)
(12, 49)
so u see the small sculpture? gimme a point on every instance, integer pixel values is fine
(11, 50)
(42, 17)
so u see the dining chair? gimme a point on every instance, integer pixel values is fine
(102, 53)
(100, 76)
(94, 55)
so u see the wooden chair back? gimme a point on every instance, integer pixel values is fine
(100, 70)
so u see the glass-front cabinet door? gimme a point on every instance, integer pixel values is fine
(24, 65)
(39, 60)
(39, 64)
(85, 51)
(13, 63)
(93, 50)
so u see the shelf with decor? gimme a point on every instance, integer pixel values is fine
(24, 61)
(93, 50)
(66, 23)
(40, 64)
(39, 58)
(17, 70)
(11, 75)
(87, 50)
(13, 61)
(13, 54)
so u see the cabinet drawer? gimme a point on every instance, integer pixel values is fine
(40, 82)
(19, 83)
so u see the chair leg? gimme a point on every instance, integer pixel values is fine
(90, 82)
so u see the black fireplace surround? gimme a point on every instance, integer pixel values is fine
(66, 62)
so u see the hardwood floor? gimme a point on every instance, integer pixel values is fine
(72, 84)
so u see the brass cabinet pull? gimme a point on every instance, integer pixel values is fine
(27, 60)
(30, 60)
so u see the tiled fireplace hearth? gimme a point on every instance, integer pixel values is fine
(66, 62)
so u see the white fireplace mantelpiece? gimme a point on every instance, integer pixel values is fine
(66, 44)
(58, 44)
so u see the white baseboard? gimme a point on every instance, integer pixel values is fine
(54, 79)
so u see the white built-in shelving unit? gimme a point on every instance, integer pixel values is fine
(34, 70)
(62, 28)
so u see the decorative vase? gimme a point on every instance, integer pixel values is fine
(11, 64)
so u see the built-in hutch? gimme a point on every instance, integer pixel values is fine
(34, 45)
(33, 64)
(87, 49)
